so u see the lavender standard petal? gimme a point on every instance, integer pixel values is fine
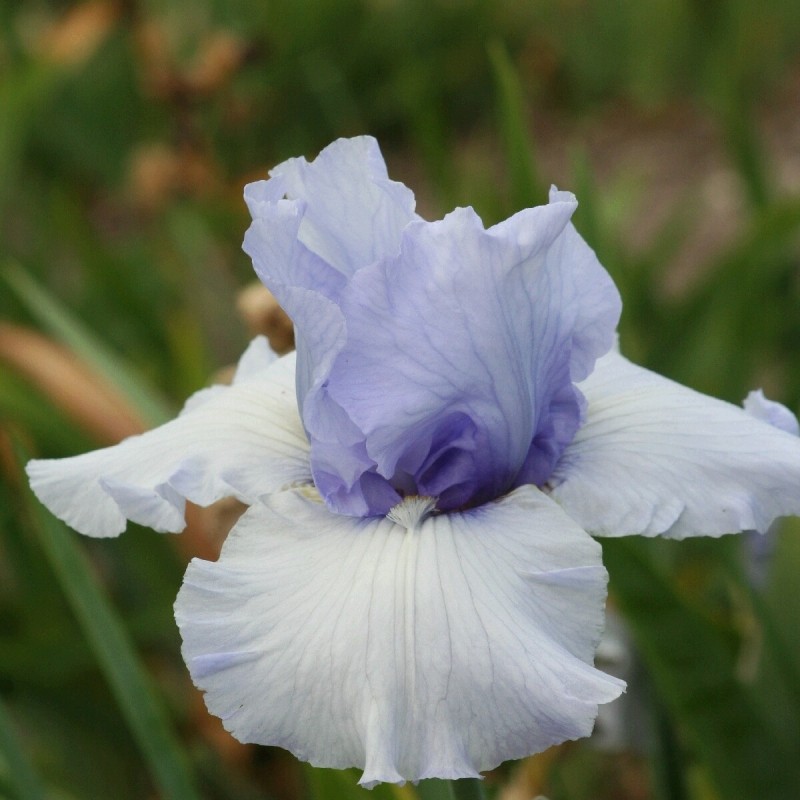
(313, 226)
(433, 358)
(354, 214)
(460, 356)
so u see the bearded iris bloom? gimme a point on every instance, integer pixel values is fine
(414, 589)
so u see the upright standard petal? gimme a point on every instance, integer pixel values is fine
(655, 457)
(353, 214)
(436, 648)
(460, 357)
(232, 441)
(433, 358)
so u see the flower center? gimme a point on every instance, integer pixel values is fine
(412, 511)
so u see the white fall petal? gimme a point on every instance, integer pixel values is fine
(230, 441)
(436, 650)
(655, 457)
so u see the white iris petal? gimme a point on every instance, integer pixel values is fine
(657, 458)
(234, 441)
(438, 650)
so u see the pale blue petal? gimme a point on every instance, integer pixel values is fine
(303, 284)
(353, 213)
(235, 441)
(280, 257)
(655, 457)
(460, 355)
(435, 650)
(313, 225)
(776, 414)
(433, 358)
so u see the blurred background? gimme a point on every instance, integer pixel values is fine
(127, 131)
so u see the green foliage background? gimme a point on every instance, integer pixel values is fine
(127, 131)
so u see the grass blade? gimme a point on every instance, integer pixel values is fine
(24, 780)
(115, 654)
(467, 789)
(336, 784)
(51, 314)
(694, 669)
(434, 789)
(526, 187)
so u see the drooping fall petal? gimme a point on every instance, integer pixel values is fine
(234, 441)
(655, 457)
(436, 648)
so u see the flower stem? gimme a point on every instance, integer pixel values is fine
(467, 789)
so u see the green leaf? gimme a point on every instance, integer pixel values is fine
(765, 243)
(786, 661)
(735, 109)
(588, 217)
(24, 91)
(526, 188)
(775, 610)
(467, 789)
(26, 406)
(25, 782)
(50, 313)
(129, 682)
(434, 790)
(694, 669)
(668, 769)
(336, 784)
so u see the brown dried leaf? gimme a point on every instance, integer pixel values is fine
(77, 35)
(219, 57)
(531, 776)
(72, 386)
(155, 61)
(156, 173)
(153, 175)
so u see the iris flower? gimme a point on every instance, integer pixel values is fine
(414, 589)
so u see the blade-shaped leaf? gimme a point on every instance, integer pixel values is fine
(695, 672)
(526, 188)
(130, 684)
(24, 780)
(59, 321)
(334, 784)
